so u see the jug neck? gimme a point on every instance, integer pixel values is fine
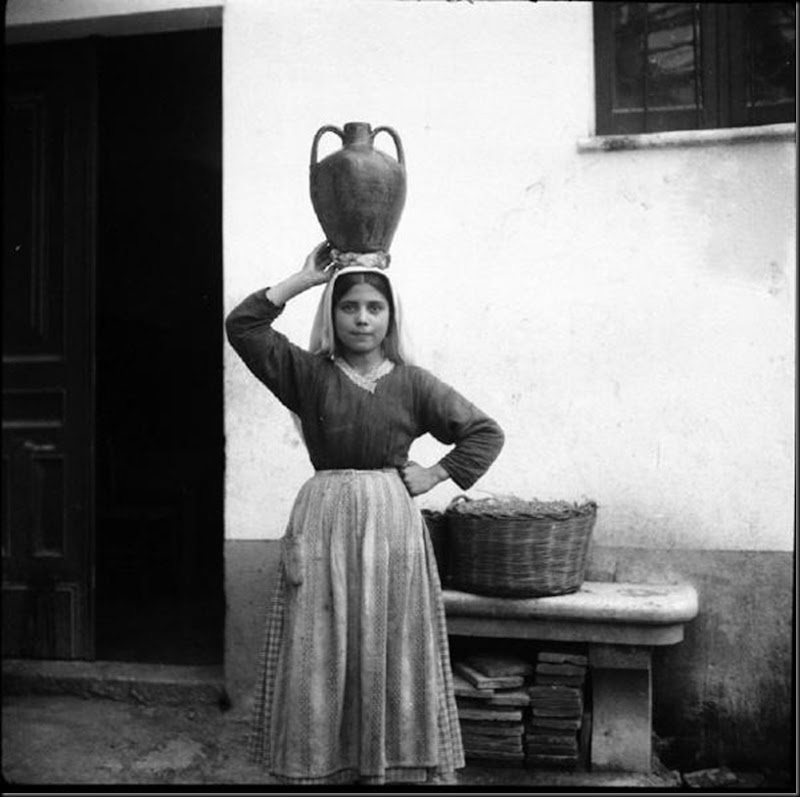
(357, 134)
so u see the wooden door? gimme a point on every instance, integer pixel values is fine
(48, 408)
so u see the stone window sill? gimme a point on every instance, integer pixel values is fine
(689, 138)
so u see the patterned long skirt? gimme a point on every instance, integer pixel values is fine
(354, 682)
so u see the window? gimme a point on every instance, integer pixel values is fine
(680, 66)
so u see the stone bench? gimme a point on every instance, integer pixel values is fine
(620, 624)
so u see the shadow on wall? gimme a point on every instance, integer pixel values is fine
(722, 697)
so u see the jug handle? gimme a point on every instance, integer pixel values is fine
(318, 136)
(395, 138)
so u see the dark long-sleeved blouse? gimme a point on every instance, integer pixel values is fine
(346, 426)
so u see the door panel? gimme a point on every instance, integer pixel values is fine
(48, 350)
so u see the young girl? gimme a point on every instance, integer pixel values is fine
(354, 683)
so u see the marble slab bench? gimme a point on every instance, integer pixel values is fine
(621, 624)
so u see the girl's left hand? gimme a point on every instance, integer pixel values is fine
(419, 480)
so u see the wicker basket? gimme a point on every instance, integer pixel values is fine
(438, 531)
(518, 549)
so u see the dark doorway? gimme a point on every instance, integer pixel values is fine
(159, 423)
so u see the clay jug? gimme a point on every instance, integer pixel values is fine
(358, 192)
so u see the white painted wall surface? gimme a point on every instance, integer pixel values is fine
(627, 317)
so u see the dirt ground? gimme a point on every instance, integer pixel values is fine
(71, 740)
(54, 740)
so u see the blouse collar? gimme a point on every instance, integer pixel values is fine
(366, 381)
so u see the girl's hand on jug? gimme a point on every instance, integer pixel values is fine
(317, 268)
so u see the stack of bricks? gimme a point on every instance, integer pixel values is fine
(492, 705)
(556, 711)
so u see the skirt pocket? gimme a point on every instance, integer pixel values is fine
(294, 559)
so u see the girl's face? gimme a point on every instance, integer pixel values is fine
(361, 319)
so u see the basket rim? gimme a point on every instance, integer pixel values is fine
(572, 514)
(517, 508)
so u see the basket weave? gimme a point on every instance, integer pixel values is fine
(518, 549)
(438, 531)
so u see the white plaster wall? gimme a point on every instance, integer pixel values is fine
(627, 317)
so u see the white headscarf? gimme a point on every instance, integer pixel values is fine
(323, 335)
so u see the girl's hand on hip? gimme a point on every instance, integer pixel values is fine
(419, 480)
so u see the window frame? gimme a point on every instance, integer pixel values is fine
(722, 78)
